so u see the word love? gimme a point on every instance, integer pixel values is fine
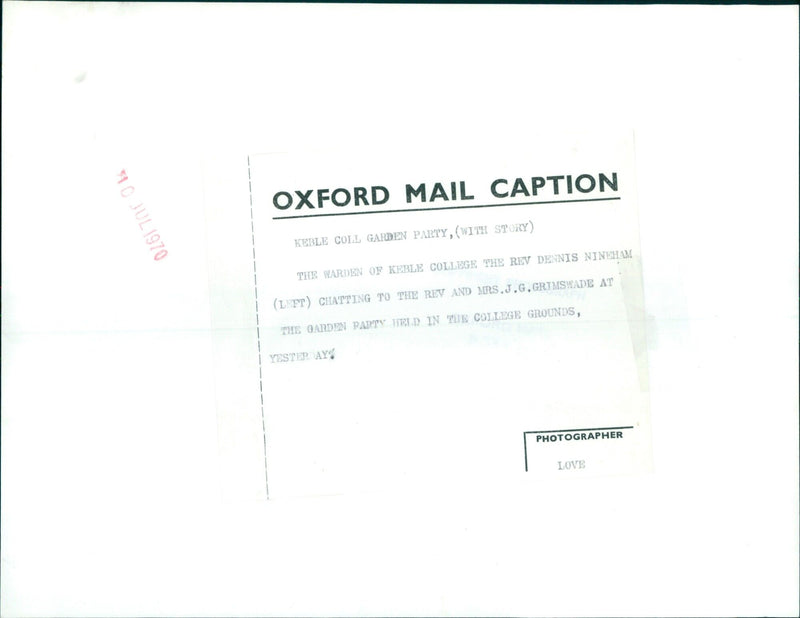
(152, 236)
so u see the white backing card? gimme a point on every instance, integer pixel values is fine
(133, 442)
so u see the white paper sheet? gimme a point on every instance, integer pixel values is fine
(464, 319)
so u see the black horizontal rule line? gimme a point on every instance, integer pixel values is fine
(590, 429)
(380, 212)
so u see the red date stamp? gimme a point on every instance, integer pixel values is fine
(149, 232)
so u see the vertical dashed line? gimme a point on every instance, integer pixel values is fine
(258, 327)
